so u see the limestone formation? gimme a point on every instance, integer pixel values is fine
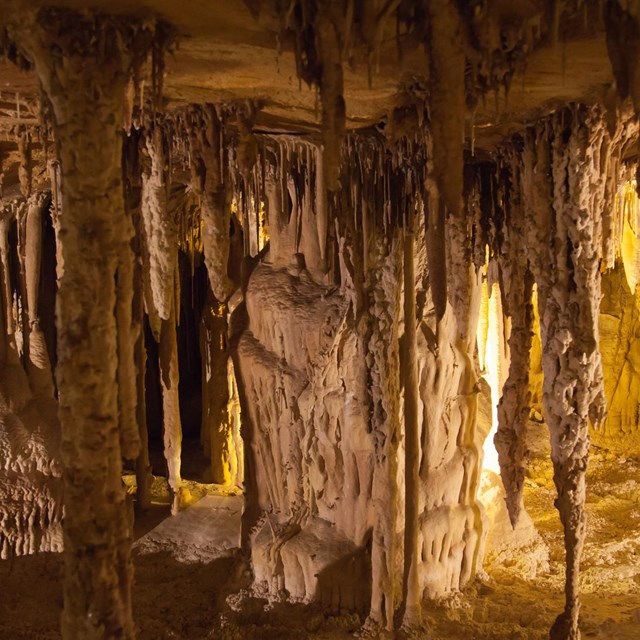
(321, 294)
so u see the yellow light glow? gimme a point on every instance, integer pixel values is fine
(490, 343)
(263, 235)
(627, 211)
(236, 448)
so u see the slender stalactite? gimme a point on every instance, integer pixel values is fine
(7, 214)
(208, 171)
(413, 599)
(160, 268)
(513, 408)
(85, 82)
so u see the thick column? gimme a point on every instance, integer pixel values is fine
(84, 63)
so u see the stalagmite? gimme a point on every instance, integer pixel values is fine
(171, 424)
(85, 84)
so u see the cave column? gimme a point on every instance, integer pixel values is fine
(514, 405)
(133, 199)
(208, 180)
(84, 63)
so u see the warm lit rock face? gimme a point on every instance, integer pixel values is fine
(558, 199)
(620, 351)
(355, 426)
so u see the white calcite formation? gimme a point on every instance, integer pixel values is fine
(336, 313)
(361, 435)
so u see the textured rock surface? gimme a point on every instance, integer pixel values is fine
(230, 268)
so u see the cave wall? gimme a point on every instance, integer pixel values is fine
(30, 468)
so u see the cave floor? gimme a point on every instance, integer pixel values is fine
(191, 583)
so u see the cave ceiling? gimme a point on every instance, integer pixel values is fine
(227, 52)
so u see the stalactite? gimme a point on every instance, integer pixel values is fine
(38, 363)
(160, 231)
(413, 599)
(95, 58)
(513, 408)
(564, 209)
(208, 171)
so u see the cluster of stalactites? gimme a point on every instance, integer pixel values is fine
(547, 213)
(500, 200)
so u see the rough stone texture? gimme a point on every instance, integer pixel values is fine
(85, 85)
(514, 405)
(563, 197)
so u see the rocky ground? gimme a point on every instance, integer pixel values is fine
(186, 589)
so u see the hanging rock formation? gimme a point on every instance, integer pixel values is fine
(310, 283)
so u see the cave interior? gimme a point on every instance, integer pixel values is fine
(319, 319)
